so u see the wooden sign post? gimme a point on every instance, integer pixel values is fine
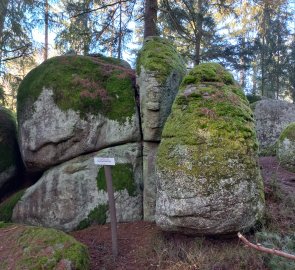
(108, 162)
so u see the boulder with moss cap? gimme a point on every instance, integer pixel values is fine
(208, 177)
(160, 70)
(9, 152)
(34, 248)
(285, 148)
(73, 195)
(72, 105)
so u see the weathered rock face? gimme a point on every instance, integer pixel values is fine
(271, 116)
(149, 180)
(71, 105)
(208, 178)
(160, 70)
(286, 148)
(9, 153)
(73, 194)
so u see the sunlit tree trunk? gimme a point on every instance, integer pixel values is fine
(46, 13)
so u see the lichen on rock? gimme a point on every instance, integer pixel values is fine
(285, 148)
(208, 177)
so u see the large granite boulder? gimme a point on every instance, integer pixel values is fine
(208, 177)
(286, 148)
(71, 105)
(160, 70)
(9, 152)
(73, 195)
(271, 116)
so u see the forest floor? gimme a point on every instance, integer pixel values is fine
(143, 246)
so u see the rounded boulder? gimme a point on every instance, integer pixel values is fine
(209, 181)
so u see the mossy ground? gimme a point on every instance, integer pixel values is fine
(6, 207)
(212, 121)
(159, 54)
(42, 248)
(8, 141)
(84, 84)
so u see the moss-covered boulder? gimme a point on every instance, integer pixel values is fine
(71, 105)
(73, 195)
(285, 148)
(9, 152)
(208, 177)
(271, 118)
(32, 248)
(160, 70)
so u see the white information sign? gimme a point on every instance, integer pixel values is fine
(104, 161)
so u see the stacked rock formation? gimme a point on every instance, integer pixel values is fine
(160, 70)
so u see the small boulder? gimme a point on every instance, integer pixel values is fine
(72, 105)
(160, 70)
(209, 180)
(31, 248)
(9, 152)
(73, 195)
(271, 117)
(286, 148)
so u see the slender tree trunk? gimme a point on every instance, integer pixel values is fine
(46, 30)
(243, 68)
(198, 33)
(3, 12)
(150, 18)
(120, 33)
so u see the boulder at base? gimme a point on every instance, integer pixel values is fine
(160, 70)
(208, 177)
(72, 105)
(73, 195)
(286, 148)
(271, 117)
(9, 152)
(31, 248)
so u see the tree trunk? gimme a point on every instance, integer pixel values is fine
(120, 34)
(198, 33)
(150, 18)
(46, 30)
(3, 11)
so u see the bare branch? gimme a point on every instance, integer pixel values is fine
(101, 7)
(266, 250)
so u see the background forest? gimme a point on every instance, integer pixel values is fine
(255, 39)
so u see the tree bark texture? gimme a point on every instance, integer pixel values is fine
(150, 18)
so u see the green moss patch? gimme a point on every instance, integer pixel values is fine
(210, 132)
(122, 175)
(288, 133)
(97, 216)
(46, 248)
(84, 84)
(208, 72)
(6, 207)
(159, 55)
(8, 141)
